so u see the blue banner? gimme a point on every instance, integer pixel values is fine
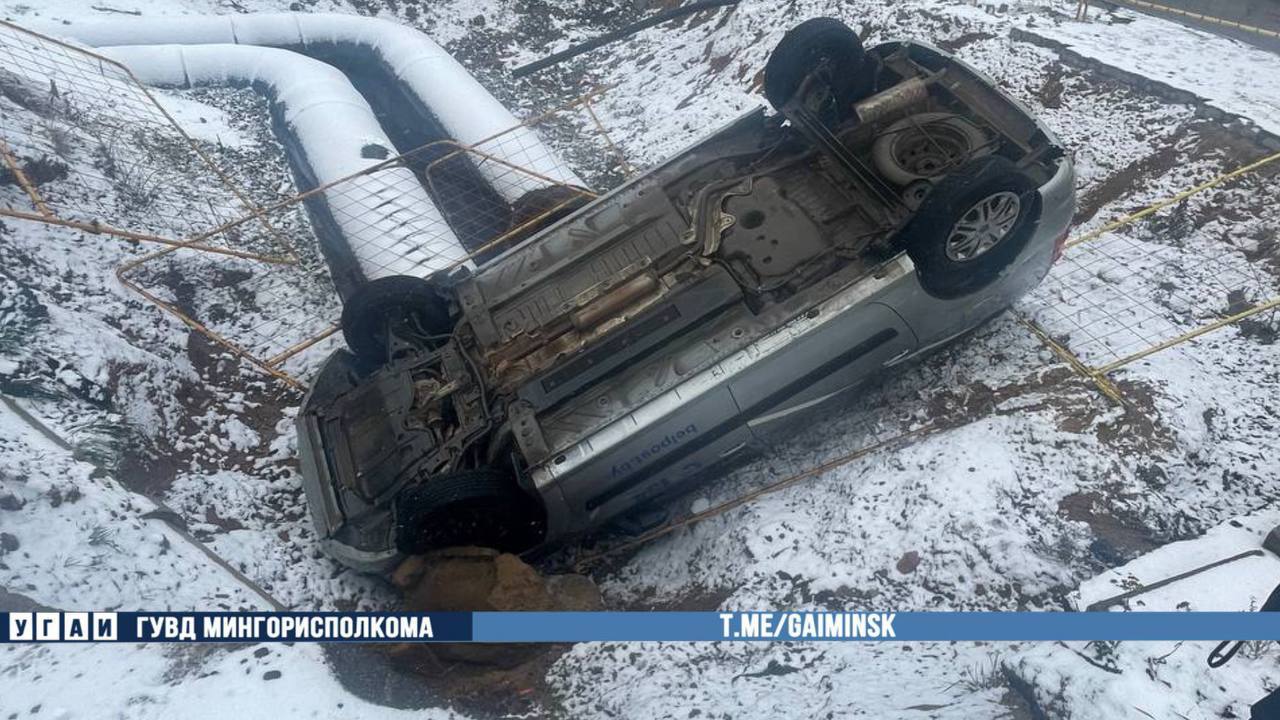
(874, 626)
(495, 627)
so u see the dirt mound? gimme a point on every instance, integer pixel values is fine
(479, 579)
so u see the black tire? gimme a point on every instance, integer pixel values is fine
(535, 211)
(482, 507)
(934, 241)
(380, 304)
(546, 206)
(804, 48)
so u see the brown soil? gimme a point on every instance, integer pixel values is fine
(960, 41)
(1137, 431)
(150, 469)
(1079, 407)
(1125, 535)
(1123, 182)
(484, 680)
(691, 600)
(1050, 93)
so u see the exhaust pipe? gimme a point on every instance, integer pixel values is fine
(887, 102)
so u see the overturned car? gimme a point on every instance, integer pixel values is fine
(894, 200)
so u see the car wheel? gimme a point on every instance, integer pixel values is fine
(971, 226)
(535, 211)
(396, 300)
(482, 507)
(542, 208)
(819, 43)
(546, 205)
(926, 146)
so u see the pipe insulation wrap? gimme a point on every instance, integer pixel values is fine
(467, 111)
(390, 224)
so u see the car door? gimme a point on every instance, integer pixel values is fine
(820, 365)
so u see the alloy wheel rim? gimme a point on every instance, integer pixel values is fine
(983, 226)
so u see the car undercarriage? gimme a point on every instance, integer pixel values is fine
(468, 398)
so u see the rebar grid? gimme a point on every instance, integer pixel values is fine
(1128, 290)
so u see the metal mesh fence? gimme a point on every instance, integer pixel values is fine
(85, 145)
(430, 209)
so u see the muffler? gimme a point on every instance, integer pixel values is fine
(887, 102)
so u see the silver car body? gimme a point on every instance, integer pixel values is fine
(660, 421)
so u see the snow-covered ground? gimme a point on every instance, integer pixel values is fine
(1232, 76)
(1035, 484)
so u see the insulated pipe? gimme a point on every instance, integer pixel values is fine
(464, 108)
(388, 222)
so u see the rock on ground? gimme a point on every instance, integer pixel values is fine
(480, 579)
